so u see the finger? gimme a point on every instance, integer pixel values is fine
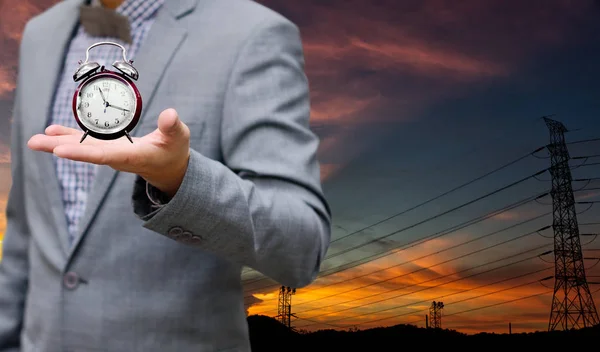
(115, 155)
(170, 125)
(57, 130)
(41, 142)
(87, 153)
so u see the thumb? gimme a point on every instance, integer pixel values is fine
(170, 125)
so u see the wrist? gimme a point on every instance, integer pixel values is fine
(156, 197)
(168, 182)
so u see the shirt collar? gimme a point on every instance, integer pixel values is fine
(137, 11)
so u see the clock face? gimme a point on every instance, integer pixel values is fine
(106, 105)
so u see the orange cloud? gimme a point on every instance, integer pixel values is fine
(3, 202)
(398, 288)
(4, 154)
(7, 82)
(426, 59)
(5, 181)
(338, 107)
(508, 215)
(523, 213)
(350, 296)
(583, 196)
(419, 56)
(457, 300)
(328, 170)
(14, 15)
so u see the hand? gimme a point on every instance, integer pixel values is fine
(160, 157)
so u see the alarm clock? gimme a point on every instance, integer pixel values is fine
(107, 104)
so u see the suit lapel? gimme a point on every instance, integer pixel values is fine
(45, 70)
(153, 56)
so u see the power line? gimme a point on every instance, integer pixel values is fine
(321, 323)
(431, 266)
(432, 199)
(585, 156)
(455, 313)
(372, 241)
(587, 189)
(441, 195)
(444, 276)
(416, 242)
(428, 287)
(431, 254)
(440, 297)
(440, 277)
(410, 244)
(586, 179)
(500, 303)
(437, 215)
(584, 141)
(395, 232)
(586, 164)
(344, 251)
(480, 296)
(494, 304)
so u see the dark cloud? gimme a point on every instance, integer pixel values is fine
(390, 61)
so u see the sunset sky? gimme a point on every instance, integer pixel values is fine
(412, 99)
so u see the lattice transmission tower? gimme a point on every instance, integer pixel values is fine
(435, 314)
(284, 305)
(572, 302)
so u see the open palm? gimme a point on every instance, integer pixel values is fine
(160, 156)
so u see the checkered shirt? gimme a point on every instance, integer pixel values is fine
(75, 177)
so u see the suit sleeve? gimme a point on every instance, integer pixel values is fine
(263, 206)
(14, 265)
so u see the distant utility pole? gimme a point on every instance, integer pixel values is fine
(572, 303)
(284, 306)
(435, 314)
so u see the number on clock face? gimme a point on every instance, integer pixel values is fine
(106, 105)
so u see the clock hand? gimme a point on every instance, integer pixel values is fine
(117, 107)
(103, 99)
(102, 95)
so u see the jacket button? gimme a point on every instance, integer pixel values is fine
(195, 239)
(186, 236)
(71, 280)
(175, 232)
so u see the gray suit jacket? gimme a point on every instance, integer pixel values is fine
(139, 279)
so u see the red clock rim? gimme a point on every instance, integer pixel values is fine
(122, 78)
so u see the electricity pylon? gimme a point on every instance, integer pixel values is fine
(572, 303)
(435, 314)
(284, 305)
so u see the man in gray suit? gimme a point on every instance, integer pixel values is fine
(221, 174)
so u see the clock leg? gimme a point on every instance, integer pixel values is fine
(83, 137)
(128, 136)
